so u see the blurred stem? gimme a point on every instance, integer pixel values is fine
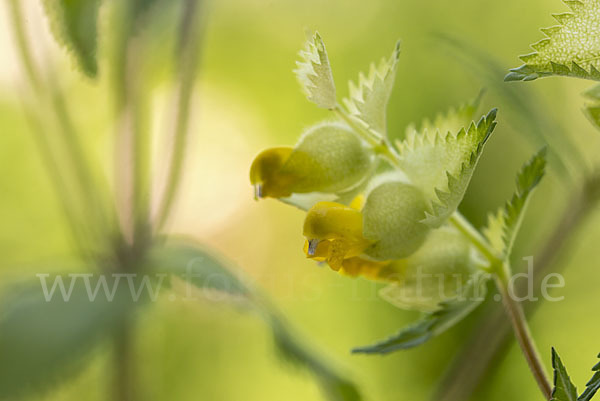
(124, 388)
(521, 329)
(78, 173)
(188, 55)
(490, 337)
(23, 44)
(39, 133)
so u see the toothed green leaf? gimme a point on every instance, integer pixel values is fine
(593, 385)
(442, 164)
(74, 25)
(451, 121)
(503, 225)
(314, 74)
(432, 324)
(564, 389)
(368, 99)
(571, 48)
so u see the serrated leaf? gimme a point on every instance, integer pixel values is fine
(564, 389)
(369, 98)
(503, 226)
(314, 74)
(571, 48)
(432, 324)
(74, 25)
(44, 340)
(593, 385)
(442, 164)
(451, 121)
(204, 270)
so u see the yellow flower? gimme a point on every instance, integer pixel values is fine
(334, 234)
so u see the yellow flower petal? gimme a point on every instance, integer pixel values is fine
(266, 175)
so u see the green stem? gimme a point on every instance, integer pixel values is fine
(471, 233)
(521, 330)
(379, 144)
(502, 273)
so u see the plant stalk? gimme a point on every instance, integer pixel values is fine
(188, 58)
(521, 330)
(123, 386)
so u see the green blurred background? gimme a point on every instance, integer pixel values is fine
(247, 99)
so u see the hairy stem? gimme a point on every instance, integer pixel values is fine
(521, 330)
(465, 227)
(379, 144)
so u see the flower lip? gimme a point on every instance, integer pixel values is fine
(312, 247)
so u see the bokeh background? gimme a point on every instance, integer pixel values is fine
(247, 99)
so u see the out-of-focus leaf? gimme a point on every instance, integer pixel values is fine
(201, 268)
(592, 108)
(45, 335)
(335, 387)
(564, 389)
(74, 24)
(593, 385)
(503, 226)
(432, 324)
(197, 266)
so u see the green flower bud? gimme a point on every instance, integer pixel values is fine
(392, 218)
(438, 271)
(329, 158)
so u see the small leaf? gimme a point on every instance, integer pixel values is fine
(43, 340)
(74, 24)
(503, 226)
(314, 74)
(442, 165)
(432, 324)
(593, 385)
(564, 389)
(451, 121)
(571, 48)
(204, 270)
(368, 100)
